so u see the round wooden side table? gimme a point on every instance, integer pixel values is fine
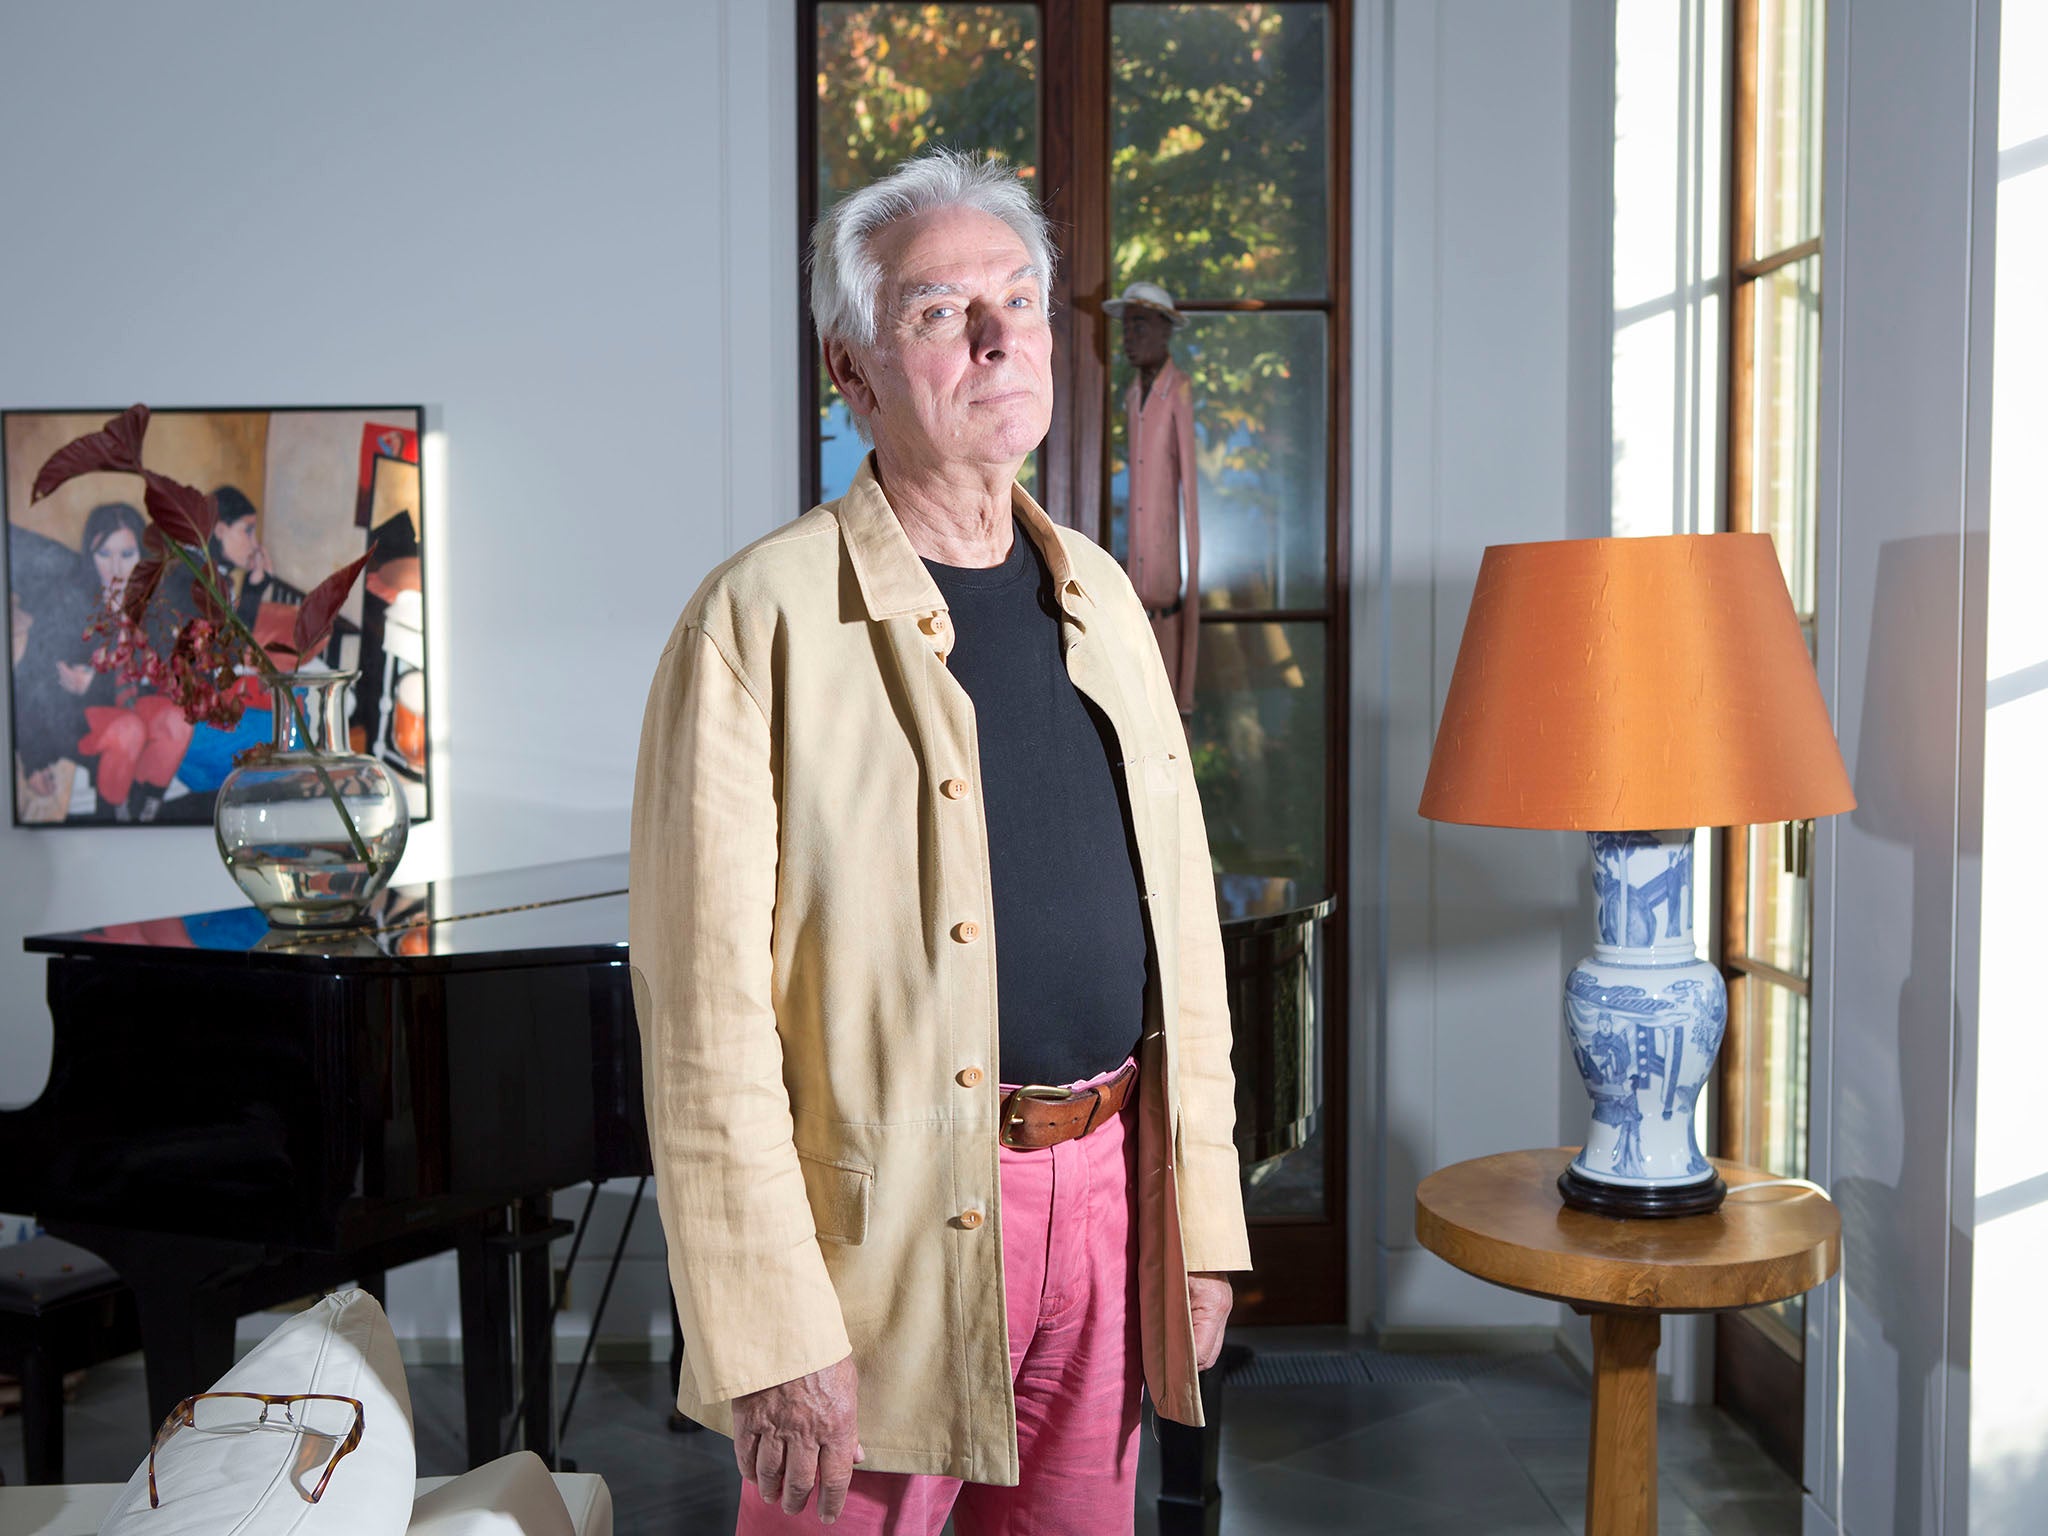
(1500, 1218)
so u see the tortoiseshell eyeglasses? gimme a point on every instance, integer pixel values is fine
(327, 1426)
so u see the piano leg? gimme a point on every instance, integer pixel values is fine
(42, 1407)
(485, 1285)
(506, 1274)
(537, 1325)
(187, 1296)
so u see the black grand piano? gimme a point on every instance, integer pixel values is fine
(238, 1115)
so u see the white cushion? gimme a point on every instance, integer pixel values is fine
(512, 1496)
(248, 1485)
(76, 1509)
(589, 1498)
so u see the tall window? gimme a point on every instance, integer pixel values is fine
(1669, 255)
(1717, 174)
(1200, 147)
(1774, 488)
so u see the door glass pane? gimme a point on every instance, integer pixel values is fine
(1778, 905)
(1258, 739)
(1774, 1019)
(1292, 1185)
(1260, 382)
(840, 449)
(1788, 123)
(1219, 150)
(1787, 421)
(1774, 1022)
(893, 79)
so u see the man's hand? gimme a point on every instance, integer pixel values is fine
(801, 1435)
(1209, 1298)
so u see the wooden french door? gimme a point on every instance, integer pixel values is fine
(1205, 147)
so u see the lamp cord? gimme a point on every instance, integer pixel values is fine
(1841, 1339)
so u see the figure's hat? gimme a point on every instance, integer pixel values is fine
(1146, 296)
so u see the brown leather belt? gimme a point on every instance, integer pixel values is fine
(1036, 1115)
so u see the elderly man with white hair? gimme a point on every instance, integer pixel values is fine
(924, 943)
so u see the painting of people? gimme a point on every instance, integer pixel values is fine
(296, 493)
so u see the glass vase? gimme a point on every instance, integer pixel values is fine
(310, 831)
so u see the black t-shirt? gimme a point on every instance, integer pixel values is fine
(1069, 925)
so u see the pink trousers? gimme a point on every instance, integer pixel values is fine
(1070, 1257)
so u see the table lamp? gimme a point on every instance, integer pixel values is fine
(1635, 689)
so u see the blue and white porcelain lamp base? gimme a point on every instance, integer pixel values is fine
(1645, 1015)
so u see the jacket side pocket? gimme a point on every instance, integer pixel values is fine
(839, 1195)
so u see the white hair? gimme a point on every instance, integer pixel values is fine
(846, 280)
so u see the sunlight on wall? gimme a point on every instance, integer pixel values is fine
(2008, 1390)
(427, 846)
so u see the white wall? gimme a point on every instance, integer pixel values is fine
(1475, 414)
(1905, 404)
(570, 231)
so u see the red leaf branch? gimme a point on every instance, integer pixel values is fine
(323, 603)
(115, 447)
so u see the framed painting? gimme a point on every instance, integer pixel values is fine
(298, 492)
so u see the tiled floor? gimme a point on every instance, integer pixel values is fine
(1500, 1453)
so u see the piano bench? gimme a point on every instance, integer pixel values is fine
(61, 1309)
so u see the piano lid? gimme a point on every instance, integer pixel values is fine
(552, 914)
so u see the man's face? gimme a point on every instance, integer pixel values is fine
(961, 369)
(1145, 336)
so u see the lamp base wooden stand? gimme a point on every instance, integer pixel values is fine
(1497, 1218)
(1634, 1202)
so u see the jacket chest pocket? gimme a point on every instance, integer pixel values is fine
(839, 1195)
(1159, 772)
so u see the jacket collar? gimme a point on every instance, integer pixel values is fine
(894, 581)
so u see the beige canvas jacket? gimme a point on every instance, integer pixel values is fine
(814, 970)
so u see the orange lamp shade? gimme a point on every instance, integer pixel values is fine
(1634, 684)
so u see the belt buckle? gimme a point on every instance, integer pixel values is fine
(1043, 1092)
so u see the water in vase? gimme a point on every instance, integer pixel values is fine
(279, 819)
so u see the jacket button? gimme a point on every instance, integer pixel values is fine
(968, 1077)
(953, 789)
(970, 1219)
(933, 624)
(967, 932)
